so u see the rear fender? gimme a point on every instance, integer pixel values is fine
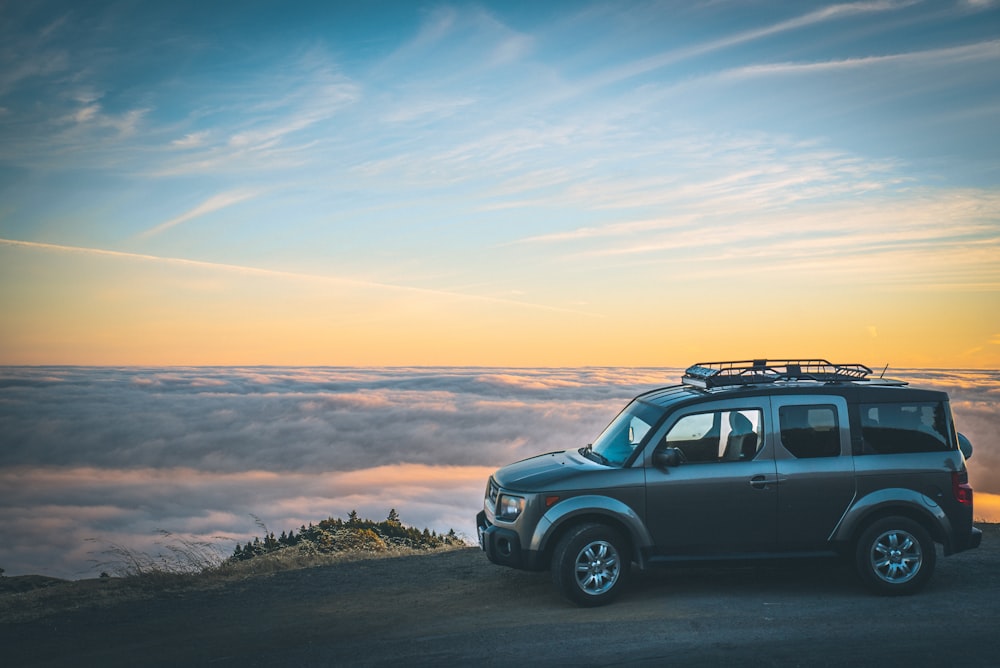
(895, 501)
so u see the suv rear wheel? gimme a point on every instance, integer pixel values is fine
(591, 564)
(895, 556)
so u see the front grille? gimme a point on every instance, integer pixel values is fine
(492, 491)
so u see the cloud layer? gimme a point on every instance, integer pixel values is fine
(91, 457)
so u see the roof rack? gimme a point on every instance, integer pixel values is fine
(751, 372)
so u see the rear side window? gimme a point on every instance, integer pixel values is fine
(890, 429)
(810, 431)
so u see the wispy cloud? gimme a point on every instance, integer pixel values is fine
(279, 129)
(978, 5)
(879, 238)
(937, 58)
(26, 56)
(612, 230)
(92, 115)
(212, 204)
(674, 56)
(87, 113)
(191, 140)
(428, 109)
(319, 105)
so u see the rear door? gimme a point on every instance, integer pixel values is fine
(812, 455)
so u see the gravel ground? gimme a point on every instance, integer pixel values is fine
(455, 608)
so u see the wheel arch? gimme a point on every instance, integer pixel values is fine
(894, 503)
(595, 509)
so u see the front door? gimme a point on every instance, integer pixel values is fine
(722, 499)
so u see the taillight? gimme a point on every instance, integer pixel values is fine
(960, 487)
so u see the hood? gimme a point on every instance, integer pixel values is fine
(548, 472)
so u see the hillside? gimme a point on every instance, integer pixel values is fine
(454, 607)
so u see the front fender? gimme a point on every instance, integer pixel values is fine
(893, 499)
(590, 504)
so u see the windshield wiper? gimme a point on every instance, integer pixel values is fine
(589, 453)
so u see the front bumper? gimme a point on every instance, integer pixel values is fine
(503, 546)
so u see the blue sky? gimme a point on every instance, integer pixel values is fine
(479, 183)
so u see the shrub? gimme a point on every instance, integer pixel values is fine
(334, 535)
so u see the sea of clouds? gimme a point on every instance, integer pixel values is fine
(91, 458)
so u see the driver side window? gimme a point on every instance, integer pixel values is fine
(718, 436)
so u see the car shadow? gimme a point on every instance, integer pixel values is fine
(826, 576)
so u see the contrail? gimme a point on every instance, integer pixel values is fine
(276, 273)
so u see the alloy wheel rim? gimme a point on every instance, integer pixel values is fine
(896, 556)
(597, 567)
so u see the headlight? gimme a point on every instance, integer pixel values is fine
(509, 507)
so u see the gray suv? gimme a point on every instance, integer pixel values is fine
(744, 460)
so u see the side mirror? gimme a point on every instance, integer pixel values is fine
(667, 457)
(965, 445)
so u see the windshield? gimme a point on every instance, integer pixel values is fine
(620, 438)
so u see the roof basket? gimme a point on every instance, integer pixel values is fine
(751, 372)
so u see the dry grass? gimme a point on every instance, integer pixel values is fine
(181, 565)
(178, 556)
(306, 556)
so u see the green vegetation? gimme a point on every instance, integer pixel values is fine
(334, 535)
(331, 540)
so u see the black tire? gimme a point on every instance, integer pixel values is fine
(591, 564)
(895, 556)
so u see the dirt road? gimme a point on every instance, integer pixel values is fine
(455, 608)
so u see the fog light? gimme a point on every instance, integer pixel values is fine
(503, 547)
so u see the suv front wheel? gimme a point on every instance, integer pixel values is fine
(895, 556)
(591, 564)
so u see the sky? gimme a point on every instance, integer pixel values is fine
(97, 457)
(499, 183)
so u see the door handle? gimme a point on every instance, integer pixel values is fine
(760, 482)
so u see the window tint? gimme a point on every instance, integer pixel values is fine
(890, 429)
(810, 431)
(718, 436)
